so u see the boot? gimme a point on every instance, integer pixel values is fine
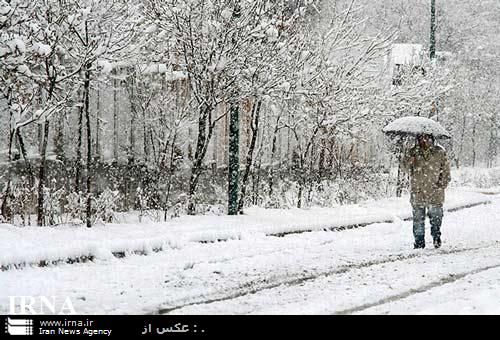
(437, 242)
(419, 243)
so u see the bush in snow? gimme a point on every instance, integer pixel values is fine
(105, 206)
(476, 177)
(52, 205)
(22, 202)
(75, 207)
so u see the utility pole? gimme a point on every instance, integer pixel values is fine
(432, 52)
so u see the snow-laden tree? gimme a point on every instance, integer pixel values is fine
(135, 97)
(53, 48)
(13, 76)
(472, 110)
(328, 88)
(221, 45)
(34, 75)
(99, 31)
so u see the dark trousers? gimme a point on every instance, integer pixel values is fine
(435, 214)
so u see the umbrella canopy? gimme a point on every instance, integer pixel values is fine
(416, 126)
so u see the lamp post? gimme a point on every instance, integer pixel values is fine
(234, 159)
(234, 142)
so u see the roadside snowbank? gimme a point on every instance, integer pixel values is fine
(20, 246)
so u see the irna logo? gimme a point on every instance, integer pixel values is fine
(22, 305)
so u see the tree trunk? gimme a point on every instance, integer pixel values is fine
(206, 129)
(311, 176)
(492, 143)
(171, 174)
(5, 208)
(31, 174)
(115, 115)
(133, 114)
(98, 125)
(59, 137)
(301, 190)
(321, 163)
(256, 183)
(473, 138)
(79, 160)
(204, 123)
(145, 138)
(249, 158)
(41, 175)
(22, 147)
(86, 89)
(462, 137)
(273, 153)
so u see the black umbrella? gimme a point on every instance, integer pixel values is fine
(413, 126)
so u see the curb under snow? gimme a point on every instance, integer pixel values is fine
(119, 247)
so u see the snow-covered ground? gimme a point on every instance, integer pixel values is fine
(364, 270)
(34, 245)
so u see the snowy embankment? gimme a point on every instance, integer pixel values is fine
(359, 270)
(20, 246)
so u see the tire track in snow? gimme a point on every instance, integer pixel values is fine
(253, 287)
(363, 225)
(422, 289)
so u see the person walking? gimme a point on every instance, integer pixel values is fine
(429, 171)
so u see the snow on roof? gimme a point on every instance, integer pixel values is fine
(406, 53)
(176, 75)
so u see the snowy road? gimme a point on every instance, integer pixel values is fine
(368, 270)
